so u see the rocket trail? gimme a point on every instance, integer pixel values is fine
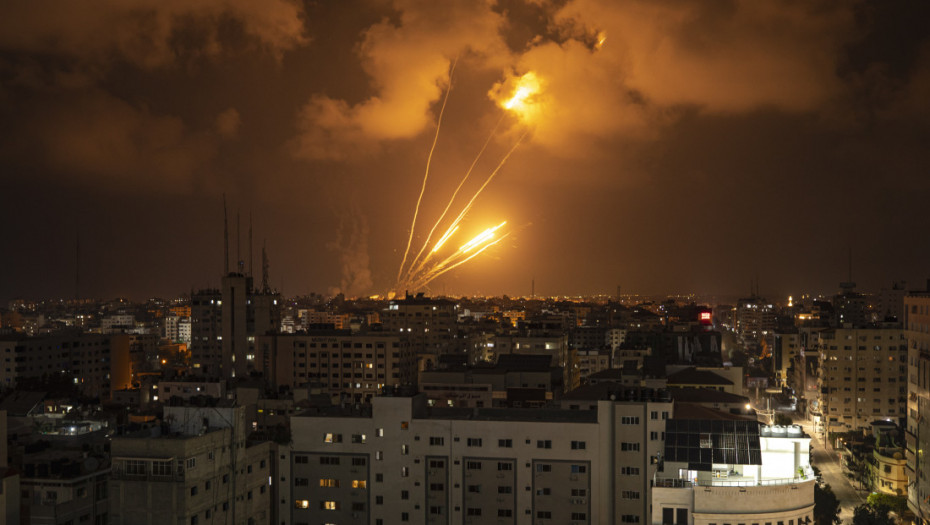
(414, 275)
(417, 267)
(483, 238)
(439, 271)
(487, 181)
(443, 240)
(429, 159)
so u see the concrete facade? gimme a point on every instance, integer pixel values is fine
(917, 434)
(776, 487)
(172, 475)
(863, 376)
(344, 365)
(405, 462)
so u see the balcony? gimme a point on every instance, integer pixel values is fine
(754, 483)
(672, 483)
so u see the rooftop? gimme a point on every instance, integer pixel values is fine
(693, 376)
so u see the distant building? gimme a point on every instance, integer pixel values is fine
(429, 325)
(863, 376)
(346, 366)
(591, 362)
(692, 377)
(97, 363)
(515, 380)
(851, 308)
(552, 344)
(755, 319)
(786, 352)
(225, 324)
(890, 303)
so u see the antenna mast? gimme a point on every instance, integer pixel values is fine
(225, 238)
(264, 269)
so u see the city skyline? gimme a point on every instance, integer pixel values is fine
(673, 147)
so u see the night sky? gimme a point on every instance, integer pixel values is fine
(671, 147)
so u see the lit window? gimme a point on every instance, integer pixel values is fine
(302, 504)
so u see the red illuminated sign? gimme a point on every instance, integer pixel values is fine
(705, 317)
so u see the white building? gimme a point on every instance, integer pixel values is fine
(401, 461)
(728, 471)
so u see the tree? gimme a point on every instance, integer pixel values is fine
(865, 514)
(896, 504)
(783, 419)
(826, 506)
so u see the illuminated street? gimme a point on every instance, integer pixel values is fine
(829, 464)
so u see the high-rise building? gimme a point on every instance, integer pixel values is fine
(917, 432)
(785, 353)
(863, 376)
(225, 323)
(755, 319)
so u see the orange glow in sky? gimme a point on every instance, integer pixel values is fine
(524, 97)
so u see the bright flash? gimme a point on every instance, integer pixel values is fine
(481, 238)
(518, 97)
(523, 100)
(601, 38)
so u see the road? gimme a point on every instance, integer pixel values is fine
(827, 460)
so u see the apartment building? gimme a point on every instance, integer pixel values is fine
(429, 325)
(197, 468)
(402, 461)
(9, 478)
(863, 376)
(785, 354)
(61, 487)
(345, 365)
(555, 345)
(99, 364)
(917, 433)
(225, 324)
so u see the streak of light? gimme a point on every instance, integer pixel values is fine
(480, 238)
(417, 267)
(429, 158)
(414, 276)
(444, 238)
(438, 272)
(487, 181)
